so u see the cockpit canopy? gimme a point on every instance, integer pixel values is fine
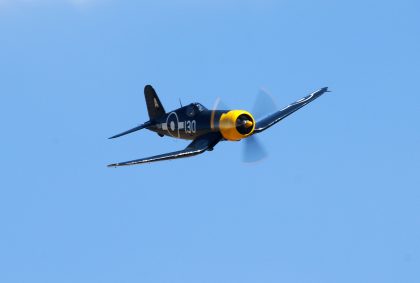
(194, 108)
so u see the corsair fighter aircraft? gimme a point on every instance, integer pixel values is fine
(203, 126)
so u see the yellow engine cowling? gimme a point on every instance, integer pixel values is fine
(236, 125)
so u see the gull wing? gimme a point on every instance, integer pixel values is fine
(270, 120)
(199, 145)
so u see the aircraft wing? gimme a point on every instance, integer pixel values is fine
(198, 146)
(267, 122)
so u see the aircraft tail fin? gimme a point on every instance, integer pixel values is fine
(154, 106)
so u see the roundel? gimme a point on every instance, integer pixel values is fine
(172, 124)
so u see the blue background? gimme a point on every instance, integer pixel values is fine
(337, 200)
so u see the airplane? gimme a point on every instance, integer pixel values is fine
(205, 127)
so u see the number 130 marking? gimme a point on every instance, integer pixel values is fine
(190, 127)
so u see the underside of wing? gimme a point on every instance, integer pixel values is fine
(165, 156)
(198, 146)
(276, 117)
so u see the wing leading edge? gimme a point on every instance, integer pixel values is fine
(198, 146)
(276, 117)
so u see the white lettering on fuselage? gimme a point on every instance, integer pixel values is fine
(190, 127)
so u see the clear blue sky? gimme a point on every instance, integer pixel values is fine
(337, 200)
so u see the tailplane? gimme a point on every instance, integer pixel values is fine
(135, 129)
(154, 106)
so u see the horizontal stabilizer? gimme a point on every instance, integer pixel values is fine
(145, 125)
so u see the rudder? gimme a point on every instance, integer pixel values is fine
(154, 106)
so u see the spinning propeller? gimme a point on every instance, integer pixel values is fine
(264, 105)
